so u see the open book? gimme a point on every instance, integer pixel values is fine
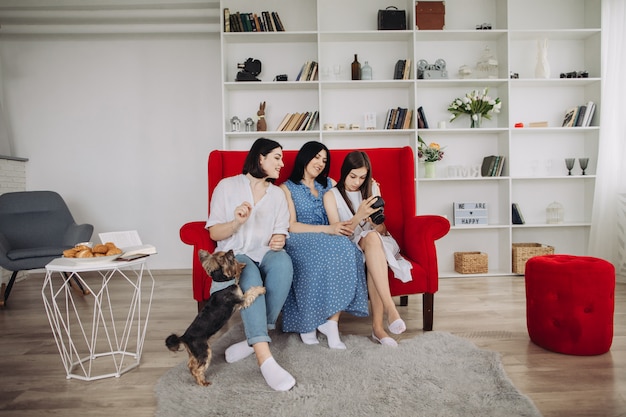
(130, 243)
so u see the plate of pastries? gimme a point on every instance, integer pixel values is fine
(85, 253)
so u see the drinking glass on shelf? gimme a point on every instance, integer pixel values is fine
(325, 73)
(534, 165)
(583, 164)
(548, 166)
(569, 163)
(337, 71)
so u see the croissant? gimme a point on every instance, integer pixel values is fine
(100, 249)
(115, 251)
(86, 253)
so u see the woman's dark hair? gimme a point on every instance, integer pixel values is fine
(355, 160)
(308, 151)
(260, 147)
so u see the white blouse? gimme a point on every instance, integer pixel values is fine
(269, 216)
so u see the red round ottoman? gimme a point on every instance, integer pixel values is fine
(570, 302)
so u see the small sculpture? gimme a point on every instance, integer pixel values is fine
(249, 123)
(261, 125)
(464, 71)
(235, 124)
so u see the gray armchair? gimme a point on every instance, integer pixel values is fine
(35, 228)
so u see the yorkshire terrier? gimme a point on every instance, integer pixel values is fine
(223, 302)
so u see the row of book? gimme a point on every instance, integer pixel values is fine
(402, 70)
(252, 22)
(299, 121)
(398, 118)
(308, 72)
(492, 166)
(579, 116)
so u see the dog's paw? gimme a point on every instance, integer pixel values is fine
(251, 295)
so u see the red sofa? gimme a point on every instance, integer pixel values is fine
(394, 169)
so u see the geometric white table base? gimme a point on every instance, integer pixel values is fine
(97, 336)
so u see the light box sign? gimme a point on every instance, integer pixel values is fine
(470, 214)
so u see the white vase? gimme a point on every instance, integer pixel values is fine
(430, 169)
(542, 70)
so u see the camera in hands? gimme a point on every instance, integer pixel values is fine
(378, 217)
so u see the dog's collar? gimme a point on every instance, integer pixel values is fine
(218, 286)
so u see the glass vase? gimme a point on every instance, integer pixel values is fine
(542, 69)
(476, 120)
(430, 169)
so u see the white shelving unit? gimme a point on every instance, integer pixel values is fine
(534, 174)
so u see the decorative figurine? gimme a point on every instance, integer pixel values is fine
(261, 124)
(235, 124)
(249, 123)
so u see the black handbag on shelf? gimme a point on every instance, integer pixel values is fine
(391, 19)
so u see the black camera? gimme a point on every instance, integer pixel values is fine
(249, 70)
(378, 217)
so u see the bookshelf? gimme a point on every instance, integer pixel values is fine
(534, 173)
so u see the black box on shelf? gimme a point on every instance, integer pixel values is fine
(391, 19)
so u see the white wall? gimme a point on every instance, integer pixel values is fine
(120, 125)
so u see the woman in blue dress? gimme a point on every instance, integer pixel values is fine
(329, 275)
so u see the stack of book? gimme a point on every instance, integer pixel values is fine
(252, 22)
(308, 72)
(299, 121)
(398, 118)
(492, 166)
(579, 116)
(402, 70)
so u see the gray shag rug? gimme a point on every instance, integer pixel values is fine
(432, 374)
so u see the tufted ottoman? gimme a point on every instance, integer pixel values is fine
(569, 303)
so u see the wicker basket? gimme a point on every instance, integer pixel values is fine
(470, 262)
(522, 252)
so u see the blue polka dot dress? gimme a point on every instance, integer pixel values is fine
(329, 273)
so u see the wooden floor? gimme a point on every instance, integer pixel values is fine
(489, 312)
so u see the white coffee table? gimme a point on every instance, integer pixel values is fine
(98, 335)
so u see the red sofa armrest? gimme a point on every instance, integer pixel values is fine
(196, 235)
(420, 234)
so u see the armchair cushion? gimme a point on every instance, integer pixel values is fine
(393, 169)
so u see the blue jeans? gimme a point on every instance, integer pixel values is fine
(275, 273)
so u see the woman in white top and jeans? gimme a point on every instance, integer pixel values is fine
(249, 215)
(351, 200)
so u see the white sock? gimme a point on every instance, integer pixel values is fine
(309, 338)
(331, 331)
(275, 376)
(397, 327)
(238, 351)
